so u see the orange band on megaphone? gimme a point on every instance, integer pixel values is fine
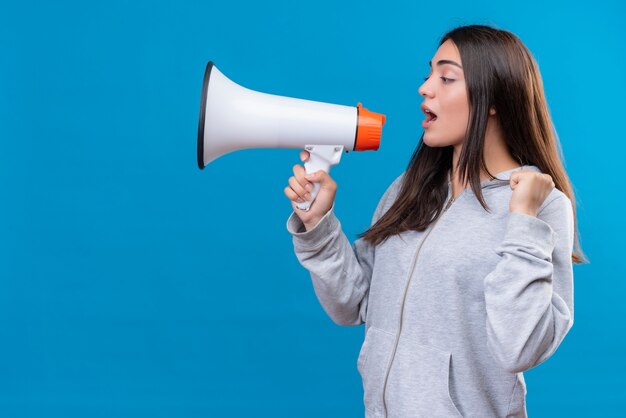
(369, 129)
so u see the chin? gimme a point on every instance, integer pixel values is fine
(437, 141)
(433, 141)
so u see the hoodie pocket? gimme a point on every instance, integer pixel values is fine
(419, 382)
(372, 364)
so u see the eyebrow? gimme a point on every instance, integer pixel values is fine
(442, 62)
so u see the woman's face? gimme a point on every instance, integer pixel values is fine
(445, 96)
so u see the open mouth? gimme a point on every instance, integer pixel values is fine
(430, 116)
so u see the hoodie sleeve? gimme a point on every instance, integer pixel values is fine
(340, 272)
(529, 295)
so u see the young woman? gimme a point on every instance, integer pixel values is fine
(464, 279)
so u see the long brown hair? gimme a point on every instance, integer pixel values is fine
(501, 72)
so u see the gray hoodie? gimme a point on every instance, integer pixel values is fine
(453, 314)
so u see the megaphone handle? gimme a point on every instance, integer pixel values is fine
(321, 157)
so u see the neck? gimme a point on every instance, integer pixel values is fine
(496, 154)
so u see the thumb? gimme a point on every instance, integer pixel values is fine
(320, 176)
(514, 180)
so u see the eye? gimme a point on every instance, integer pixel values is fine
(446, 80)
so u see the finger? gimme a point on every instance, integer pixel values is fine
(297, 188)
(320, 176)
(292, 195)
(304, 155)
(515, 179)
(300, 175)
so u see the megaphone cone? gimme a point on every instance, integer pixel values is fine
(233, 117)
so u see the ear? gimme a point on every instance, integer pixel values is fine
(492, 111)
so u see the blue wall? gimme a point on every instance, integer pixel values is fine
(134, 284)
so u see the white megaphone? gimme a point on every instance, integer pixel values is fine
(233, 117)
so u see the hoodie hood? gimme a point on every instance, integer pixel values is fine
(501, 179)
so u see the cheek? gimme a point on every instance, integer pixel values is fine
(456, 109)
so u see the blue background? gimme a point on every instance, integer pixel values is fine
(134, 284)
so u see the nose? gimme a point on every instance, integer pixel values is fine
(424, 90)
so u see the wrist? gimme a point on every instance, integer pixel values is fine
(311, 224)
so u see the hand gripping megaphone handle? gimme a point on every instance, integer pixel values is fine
(321, 157)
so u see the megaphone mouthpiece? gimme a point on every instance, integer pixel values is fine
(369, 129)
